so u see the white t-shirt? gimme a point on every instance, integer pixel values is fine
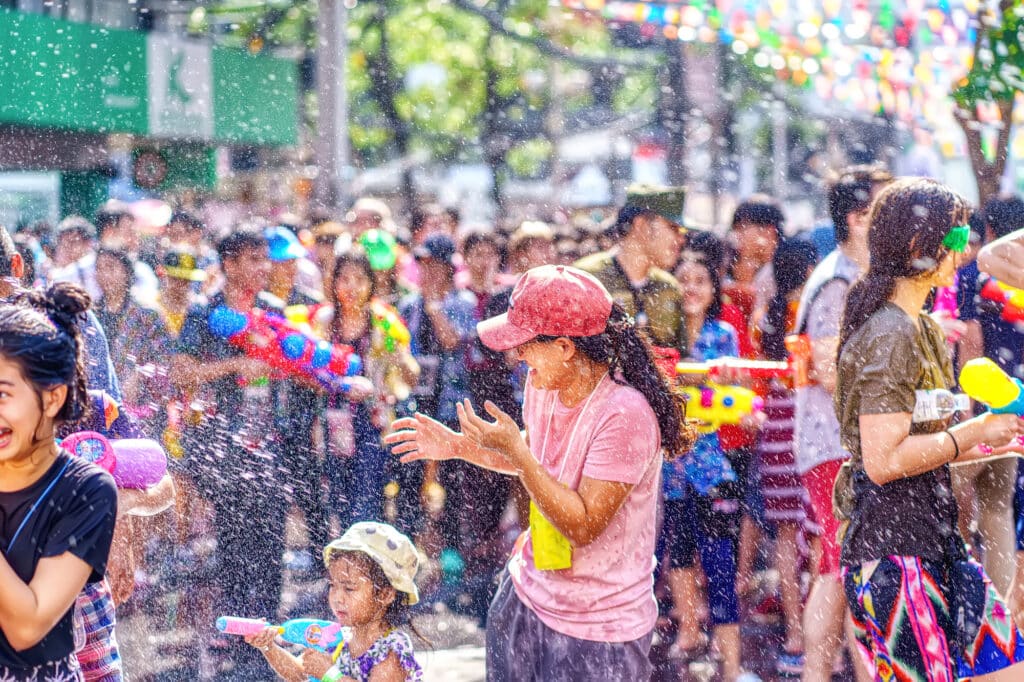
(816, 434)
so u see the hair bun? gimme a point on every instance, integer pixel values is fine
(63, 302)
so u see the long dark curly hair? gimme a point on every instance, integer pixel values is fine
(909, 221)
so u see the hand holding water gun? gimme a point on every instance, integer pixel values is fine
(1009, 299)
(322, 635)
(986, 382)
(136, 463)
(714, 405)
(274, 340)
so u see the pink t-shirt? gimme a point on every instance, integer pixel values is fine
(607, 595)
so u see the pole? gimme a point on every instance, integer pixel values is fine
(780, 149)
(332, 152)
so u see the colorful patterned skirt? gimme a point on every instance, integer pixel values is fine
(925, 621)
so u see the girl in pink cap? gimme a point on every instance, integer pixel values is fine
(577, 599)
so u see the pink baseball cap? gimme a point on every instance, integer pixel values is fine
(550, 300)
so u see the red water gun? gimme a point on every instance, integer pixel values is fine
(265, 336)
(1009, 299)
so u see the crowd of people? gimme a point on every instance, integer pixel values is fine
(526, 380)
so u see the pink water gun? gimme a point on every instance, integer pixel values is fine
(136, 463)
(308, 632)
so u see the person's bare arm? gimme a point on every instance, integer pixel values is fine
(889, 451)
(1004, 259)
(149, 502)
(188, 372)
(28, 611)
(823, 362)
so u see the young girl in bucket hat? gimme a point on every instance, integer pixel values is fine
(577, 600)
(372, 569)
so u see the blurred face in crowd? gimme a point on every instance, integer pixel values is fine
(111, 275)
(482, 261)
(533, 253)
(695, 283)
(249, 270)
(859, 222)
(121, 235)
(71, 246)
(323, 251)
(754, 242)
(352, 288)
(182, 233)
(282, 275)
(435, 275)
(663, 239)
(362, 220)
(433, 223)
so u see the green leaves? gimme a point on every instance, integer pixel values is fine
(997, 73)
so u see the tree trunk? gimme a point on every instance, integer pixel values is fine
(988, 175)
(495, 142)
(384, 90)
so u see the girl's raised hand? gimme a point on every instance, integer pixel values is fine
(421, 438)
(502, 434)
(264, 639)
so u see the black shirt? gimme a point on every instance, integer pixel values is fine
(76, 515)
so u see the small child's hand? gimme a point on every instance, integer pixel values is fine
(263, 640)
(316, 663)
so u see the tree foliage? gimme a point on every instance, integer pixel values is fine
(995, 78)
(459, 79)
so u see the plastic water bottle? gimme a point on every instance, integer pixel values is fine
(939, 404)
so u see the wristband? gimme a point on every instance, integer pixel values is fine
(332, 675)
(956, 446)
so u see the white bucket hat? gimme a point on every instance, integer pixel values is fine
(390, 549)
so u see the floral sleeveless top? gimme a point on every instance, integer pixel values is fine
(395, 642)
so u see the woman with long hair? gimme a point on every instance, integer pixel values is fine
(922, 608)
(577, 599)
(57, 511)
(353, 422)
